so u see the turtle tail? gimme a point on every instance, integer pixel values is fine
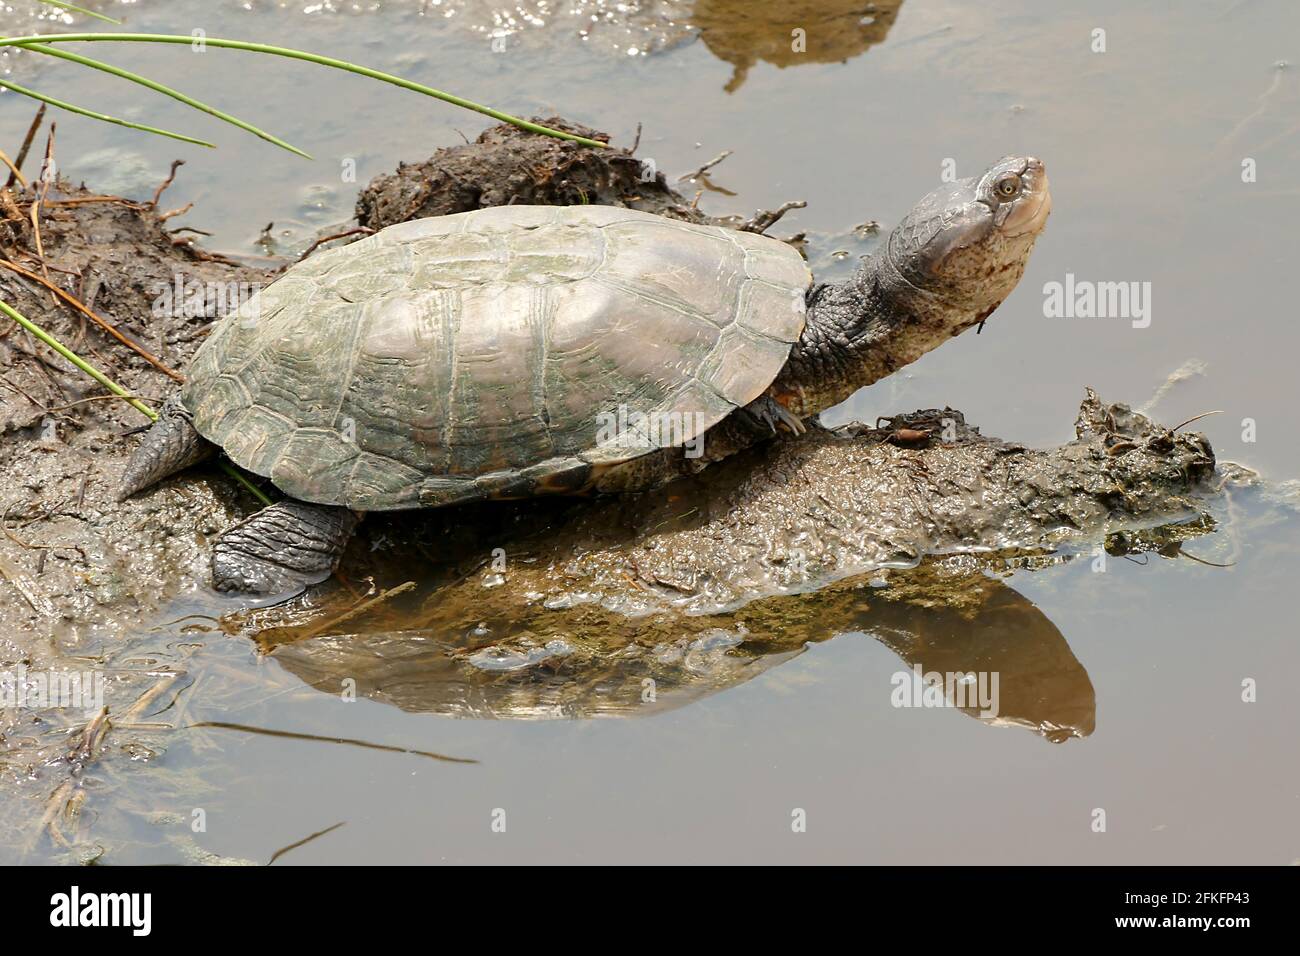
(170, 445)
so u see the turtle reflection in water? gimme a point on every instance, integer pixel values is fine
(935, 619)
(942, 618)
(742, 32)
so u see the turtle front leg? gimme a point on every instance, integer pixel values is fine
(284, 547)
(766, 414)
(170, 445)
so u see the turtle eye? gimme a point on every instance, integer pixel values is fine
(1007, 187)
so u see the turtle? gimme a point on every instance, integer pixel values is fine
(516, 351)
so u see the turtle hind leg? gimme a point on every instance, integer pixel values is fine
(282, 548)
(170, 445)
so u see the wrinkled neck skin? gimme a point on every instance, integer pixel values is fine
(862, 330)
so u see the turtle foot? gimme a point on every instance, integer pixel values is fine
(766, 414)
(285, 547)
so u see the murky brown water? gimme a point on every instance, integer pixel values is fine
(1144, 663)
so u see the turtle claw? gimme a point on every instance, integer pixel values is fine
(241, 574)
(765, 412)
(285, 547)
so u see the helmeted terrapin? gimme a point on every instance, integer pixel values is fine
(525, 350)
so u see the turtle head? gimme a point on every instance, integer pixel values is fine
(945, 267)
(966, 243)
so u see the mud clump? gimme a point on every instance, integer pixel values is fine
(119, 259)
(510, 166)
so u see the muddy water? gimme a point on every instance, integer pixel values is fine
(1145, 662)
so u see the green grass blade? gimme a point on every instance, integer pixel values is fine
(73, 108)
(240, 477)
(35, 42)
(76, 359)
(116, 389)
(76, 9)
(160, 88)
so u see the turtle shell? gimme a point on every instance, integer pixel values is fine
(497, 353)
